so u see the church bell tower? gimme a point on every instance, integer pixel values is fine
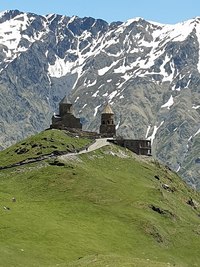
(107, 127)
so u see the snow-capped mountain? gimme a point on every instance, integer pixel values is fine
(148, 72)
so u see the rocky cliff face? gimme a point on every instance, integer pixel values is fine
(148, 72)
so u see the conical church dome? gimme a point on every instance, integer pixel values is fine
(107, 110)
(65, 100)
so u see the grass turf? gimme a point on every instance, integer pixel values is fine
(96, 210)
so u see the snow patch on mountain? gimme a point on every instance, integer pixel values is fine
(198, 37)
(126, 24)
(76, 99)
(166, 76)
(197, 132)
(148, 129)
(190, 138)
(177, 32)
(102, 71)
(195, 107)
(96, 110)
(117, 125)
(85, 105)
(91, 84)
(155, 129)
(60, 67)
(124, 68)
(95, 94)
(178, 169)
(130, 21)
(105, 94)
(11, 31)
(169, 103)
(112, 95)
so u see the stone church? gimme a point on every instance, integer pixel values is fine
(66, 120)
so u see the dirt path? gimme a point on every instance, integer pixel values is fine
(98, 144)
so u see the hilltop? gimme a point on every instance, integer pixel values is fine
(107, 207)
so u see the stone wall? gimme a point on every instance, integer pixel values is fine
(140, 147)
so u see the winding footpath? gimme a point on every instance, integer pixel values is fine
(96, 145)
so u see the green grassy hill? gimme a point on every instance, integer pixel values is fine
(103, 208)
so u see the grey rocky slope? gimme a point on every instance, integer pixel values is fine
(148, 72)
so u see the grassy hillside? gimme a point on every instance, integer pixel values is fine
(103, 208)
(44, 143)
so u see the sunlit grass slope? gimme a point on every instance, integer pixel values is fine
(44, 143)
(104, 208)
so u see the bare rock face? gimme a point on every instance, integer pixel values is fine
(147, 72)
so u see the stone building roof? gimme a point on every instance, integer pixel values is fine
(107, 110)
(65, 100)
